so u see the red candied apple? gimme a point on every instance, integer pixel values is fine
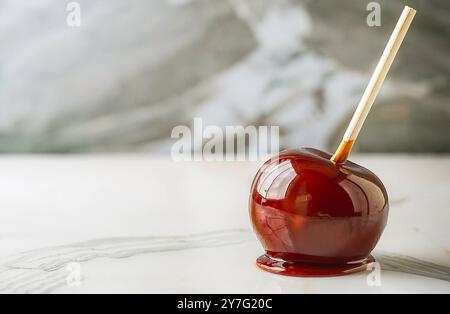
(321, 215)
(315, 217)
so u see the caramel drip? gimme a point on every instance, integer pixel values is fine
(341, 154)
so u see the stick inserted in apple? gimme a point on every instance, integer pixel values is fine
(318, 214)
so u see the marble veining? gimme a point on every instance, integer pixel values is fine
(43, 270)
(411, 265)
(301, 65)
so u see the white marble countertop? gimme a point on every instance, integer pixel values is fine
(147, 225)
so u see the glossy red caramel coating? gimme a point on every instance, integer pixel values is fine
(306, 210)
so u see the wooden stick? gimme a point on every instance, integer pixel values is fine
(374, 86)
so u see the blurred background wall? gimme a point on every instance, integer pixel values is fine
(137, 68)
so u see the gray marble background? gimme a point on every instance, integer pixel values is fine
(137, 68)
